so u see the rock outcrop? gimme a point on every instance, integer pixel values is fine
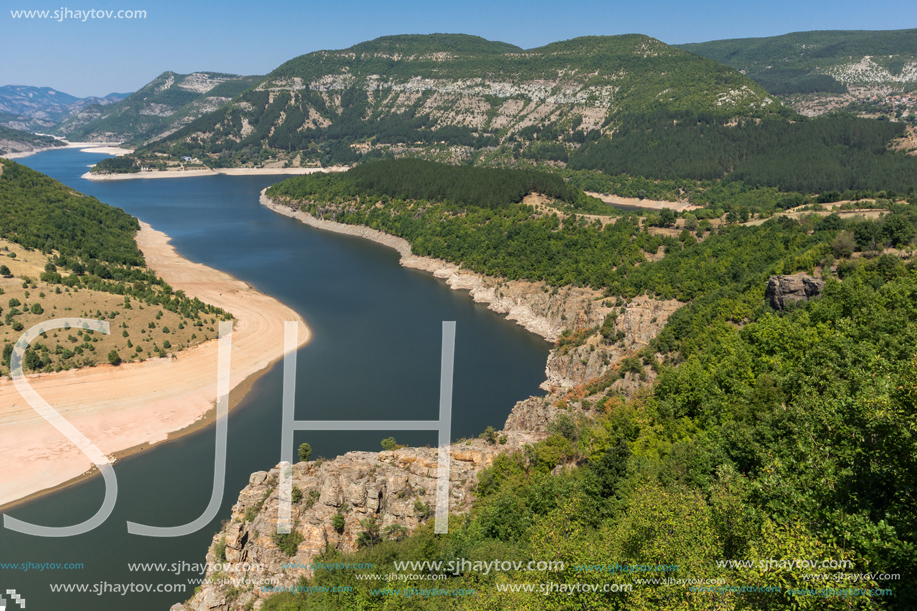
(396, 489)
(782, 290)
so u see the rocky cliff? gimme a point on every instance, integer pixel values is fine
(396, 489)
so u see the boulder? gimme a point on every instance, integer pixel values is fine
(795, 288)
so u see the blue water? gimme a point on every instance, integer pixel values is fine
(374, 354)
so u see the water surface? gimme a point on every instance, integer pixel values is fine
(374, 354)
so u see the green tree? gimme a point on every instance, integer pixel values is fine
(305, 452)
(370, 535)
(337, 522)
(5, 272)
(114, 358)
(489, 435)
(389, 444)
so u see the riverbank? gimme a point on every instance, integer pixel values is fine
(135, 406)
(109, 148)
(195, 173)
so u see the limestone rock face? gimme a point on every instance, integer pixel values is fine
(394, 488)
(795, 288)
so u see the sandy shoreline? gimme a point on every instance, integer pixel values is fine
(109, 148)
(213, 172)
(137, 405)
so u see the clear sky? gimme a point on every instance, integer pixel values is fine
(100, 56)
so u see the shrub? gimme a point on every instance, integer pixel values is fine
(389, 444)
(305, 452)
(288, 542)
(337, 522)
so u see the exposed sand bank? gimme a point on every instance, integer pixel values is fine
(648, 204)
(131, 407)
(191, 173)
(110, 148)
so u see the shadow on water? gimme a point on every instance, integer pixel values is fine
(374, 355)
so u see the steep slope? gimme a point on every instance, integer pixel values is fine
(453, 97)
(42, 108)
(17, 141)
(820, 71)
(164, 105)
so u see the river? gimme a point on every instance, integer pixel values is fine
(374, 355)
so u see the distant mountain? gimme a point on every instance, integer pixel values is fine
(825, 70)
(42, 108)
(161, 107)
(17, 141)
(454, 97)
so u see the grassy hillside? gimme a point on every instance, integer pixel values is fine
(69, 255)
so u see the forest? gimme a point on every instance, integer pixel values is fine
(94, 241)
(808, 156)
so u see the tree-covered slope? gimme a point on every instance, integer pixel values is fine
(854, 63)
(159, 108)
(456, 97)
(772, 457)
(17, 141)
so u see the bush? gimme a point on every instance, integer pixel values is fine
(305, 452)
(389, 444)
(337, 522)
(489, 435)
(289, 542)
(114, 358)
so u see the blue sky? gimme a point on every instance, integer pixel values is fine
(99, 56)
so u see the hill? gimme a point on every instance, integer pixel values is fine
(167, 103)
(57, 243)
(816, 72)
(17, 141)
(42, 108)
(458, 98)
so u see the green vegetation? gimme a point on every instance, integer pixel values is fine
(798, 62)
(131, 120)
(11, 139)
(305, 452)
(74, 242)
(809, 156)
(515, 242)
(788, 436)
(640, 69)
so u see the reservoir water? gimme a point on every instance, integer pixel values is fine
(374, 354)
